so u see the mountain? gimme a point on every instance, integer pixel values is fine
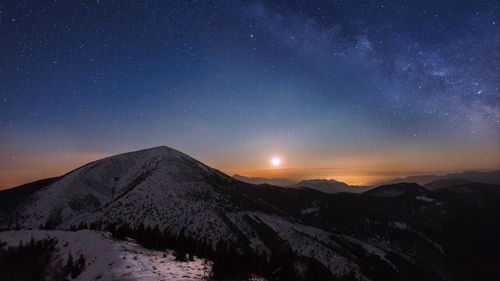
(160, 196)
(323, 185)
(330, 186)
(492, 177)
(12, 197)
(396, 190)
(260, 180)
(131, 187)
(446, 183)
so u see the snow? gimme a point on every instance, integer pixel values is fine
(108, 259)
(313, 209)
(311, 242)
(158, 186)
(401, 225)
(425, 198)
(406, 227)
(370, 249)
(164, 187)
(310, 210)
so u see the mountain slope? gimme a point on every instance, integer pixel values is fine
(446, 183)
(395, 190)
(347, 234)
(133, 185)
(163, 187)
(13, 197)
(108, 259)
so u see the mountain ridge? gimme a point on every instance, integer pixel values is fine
(330, 186)
(166, 189)
(489, 177)
(261, 180)
(396, 190)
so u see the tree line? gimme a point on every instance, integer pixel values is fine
(33, 261)
(231, 260)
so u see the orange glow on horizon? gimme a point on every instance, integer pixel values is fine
(363, 169)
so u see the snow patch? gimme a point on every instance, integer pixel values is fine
(107, 259)
(425, 198)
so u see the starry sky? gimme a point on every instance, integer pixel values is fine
(359, 91)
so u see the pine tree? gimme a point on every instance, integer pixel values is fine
(68, 268)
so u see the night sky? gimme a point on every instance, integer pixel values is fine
(358, 91)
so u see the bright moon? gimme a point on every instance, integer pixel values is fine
(276, 161)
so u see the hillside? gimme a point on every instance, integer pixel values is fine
(395, 190)
(163, 197)
(446, 183)
(108, 259)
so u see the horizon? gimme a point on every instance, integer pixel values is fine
(331, 90)
(273, 172)
(258, 140)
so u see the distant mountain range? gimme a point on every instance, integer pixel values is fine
(260, 180)
(490, 177)
(331, 186)
(159, 195)
(429, 181)
(323, 185)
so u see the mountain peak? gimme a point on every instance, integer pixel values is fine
(156, 170)
(156, 150)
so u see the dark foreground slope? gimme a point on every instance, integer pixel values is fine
(413, 234)
(13, 197)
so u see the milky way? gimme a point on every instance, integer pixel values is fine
(364, 86)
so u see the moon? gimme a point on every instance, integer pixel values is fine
(276, 161)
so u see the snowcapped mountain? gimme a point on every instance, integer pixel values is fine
(384, 236)
(159, 176)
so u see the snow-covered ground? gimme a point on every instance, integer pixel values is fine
(311, 242)
(107, 259)
(425, 198)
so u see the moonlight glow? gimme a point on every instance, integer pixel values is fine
(276, 161)
(360, 91)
